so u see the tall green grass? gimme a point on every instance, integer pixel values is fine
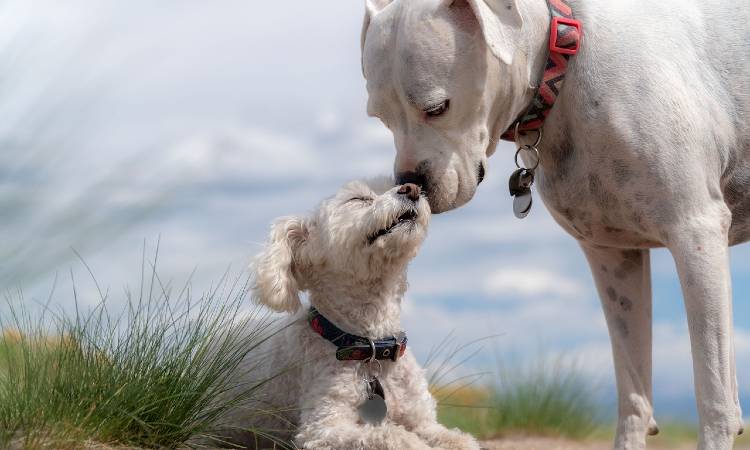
(154, 375)
(551, 397)
(544, 398)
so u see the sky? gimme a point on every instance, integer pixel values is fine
(194, 124)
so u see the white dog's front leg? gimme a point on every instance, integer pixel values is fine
(329, 418)
(701, 253)
(340, 432)
(623, 280)
(417, 408)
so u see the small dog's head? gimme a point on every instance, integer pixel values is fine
(447, 77)
(367, 231)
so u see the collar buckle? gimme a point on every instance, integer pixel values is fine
(566, 30)
(399, 347)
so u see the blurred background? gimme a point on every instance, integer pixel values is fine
(196, 123)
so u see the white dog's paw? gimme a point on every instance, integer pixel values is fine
(374, 438)
(653, 427)
(453, 440)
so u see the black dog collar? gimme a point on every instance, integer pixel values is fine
(353, 347)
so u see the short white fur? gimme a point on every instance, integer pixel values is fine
(647, 146)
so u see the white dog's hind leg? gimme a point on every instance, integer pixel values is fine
(701, 253)
(623, 280)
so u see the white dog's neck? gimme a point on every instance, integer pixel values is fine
(369, 309)
(521, 79)
(534, 38)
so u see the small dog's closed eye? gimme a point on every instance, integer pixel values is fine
(343, 377)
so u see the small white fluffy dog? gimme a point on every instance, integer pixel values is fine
(351, 257)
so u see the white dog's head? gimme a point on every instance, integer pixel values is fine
(446, 77)
(367, 231)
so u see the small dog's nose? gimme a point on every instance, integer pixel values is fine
(410, 190)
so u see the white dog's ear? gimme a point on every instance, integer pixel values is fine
(500, 21)
(375, 6)
(372, 7)
(277, 268)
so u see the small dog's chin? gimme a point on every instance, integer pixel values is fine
(404, 237)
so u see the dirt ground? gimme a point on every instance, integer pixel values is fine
(508, 443)
(536, 443)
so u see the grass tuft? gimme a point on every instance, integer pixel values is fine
(152, 376)
(547, 398)
(552, 398)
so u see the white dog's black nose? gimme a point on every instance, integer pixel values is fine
(417, 178)
(410, 190)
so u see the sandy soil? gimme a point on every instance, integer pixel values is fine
(508, 443)
(535, 443)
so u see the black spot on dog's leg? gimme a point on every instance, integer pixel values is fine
(632, 255)
(611, 293)
(625, 303)
(632, 260)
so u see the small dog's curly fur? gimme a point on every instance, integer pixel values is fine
(351, 257)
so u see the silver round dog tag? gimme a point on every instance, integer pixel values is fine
(522, 204)
(373, 410)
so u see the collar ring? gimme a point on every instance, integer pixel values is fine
(517, 135)
(374, 351)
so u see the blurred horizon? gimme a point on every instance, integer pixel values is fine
(197, 125)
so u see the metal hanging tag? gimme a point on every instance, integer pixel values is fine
(373, 410)
(522, 179)
(522, 204)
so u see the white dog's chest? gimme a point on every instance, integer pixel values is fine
(603, 209)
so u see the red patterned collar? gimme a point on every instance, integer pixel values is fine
(564, 41)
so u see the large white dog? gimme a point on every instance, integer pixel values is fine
(648, 145)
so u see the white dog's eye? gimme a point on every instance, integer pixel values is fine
(438, 110)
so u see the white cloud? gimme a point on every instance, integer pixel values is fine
(249, 153)
(521, 327)
(328, 121)
(531, 282)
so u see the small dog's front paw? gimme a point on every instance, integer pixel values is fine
(454, 440)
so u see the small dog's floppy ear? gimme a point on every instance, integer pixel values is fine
(277, 283)
(499, 20)
(372, 7)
